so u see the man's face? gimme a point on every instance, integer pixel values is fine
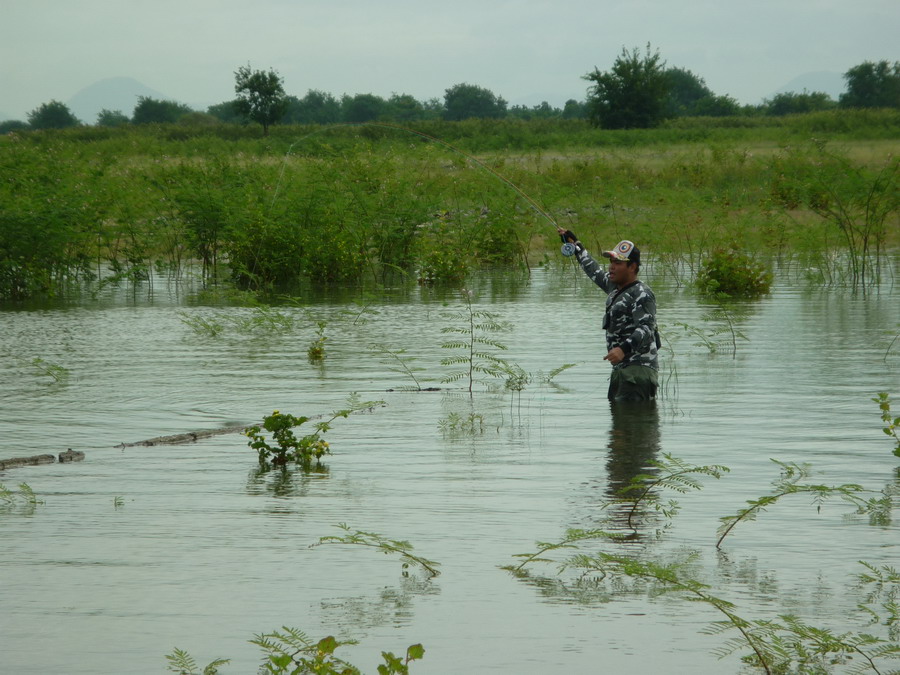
(621, 272)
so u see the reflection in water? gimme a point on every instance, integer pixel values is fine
(284, 481)
(634, 441)
(390, 607)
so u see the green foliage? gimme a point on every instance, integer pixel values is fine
(383, 544)
(733, 273)
(21, 501)
(632, 95)
(785, 645)
(111, 118)
(287, 447)
(792, 103)
(455, 424)
(262, 320)
(472, 343)
(373, 203)
(52, 115)
(891, 423)
(260, 96)
(872, 85)
(291, 652)
(316, 350)
(669, 473)
(465, 101)
(789, 483)
(54, 371)
(858, 201)
(154, 111)
(184, 664)
(405, 367)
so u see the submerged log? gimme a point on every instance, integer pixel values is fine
(181, 439)
(34, 460)
(70, 455)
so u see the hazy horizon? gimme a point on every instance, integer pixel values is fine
(526, 52)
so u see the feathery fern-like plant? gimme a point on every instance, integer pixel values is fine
(789, 483)
(383, 544)
(472, 343)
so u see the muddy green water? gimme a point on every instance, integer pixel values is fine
(136, 551)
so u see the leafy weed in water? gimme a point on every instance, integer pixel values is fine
(383, 544)
(474, 329)
(789, 484)
(287, 447)
(891, 423)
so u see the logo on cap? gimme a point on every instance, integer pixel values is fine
(622, 251)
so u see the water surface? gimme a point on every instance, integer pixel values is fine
(136, 551)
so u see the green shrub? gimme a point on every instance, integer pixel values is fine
(731, 272)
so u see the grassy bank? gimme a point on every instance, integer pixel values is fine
(368, 202)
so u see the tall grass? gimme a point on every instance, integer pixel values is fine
(364, 203)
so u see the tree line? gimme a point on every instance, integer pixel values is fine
(639, 91)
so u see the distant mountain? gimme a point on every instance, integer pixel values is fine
(830, 83)
(114, 93)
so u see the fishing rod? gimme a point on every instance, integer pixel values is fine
(568, 249)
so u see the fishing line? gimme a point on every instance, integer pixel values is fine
(568, 249)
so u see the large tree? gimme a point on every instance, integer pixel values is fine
(52, 115)
(872, 85)
(260, 96)
(463, 101)
(631, 95)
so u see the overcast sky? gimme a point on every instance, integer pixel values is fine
(523, 50)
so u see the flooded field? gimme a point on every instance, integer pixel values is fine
(138, 550)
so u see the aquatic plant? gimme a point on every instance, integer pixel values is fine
(287, 447)
(262, 320)
(733, 273)
(291, 652)
(782, 645)
(474, 329)
(858, 201)
(316, 350)
(455, 424)
(383, 544)
(891, 423)
(397, 356)
(883, 585)
(672, 474)
(21, 501)
(572, 539)
(789, 483)
(184, 664)
(56, 372)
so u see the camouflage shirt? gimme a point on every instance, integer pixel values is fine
(630, 319)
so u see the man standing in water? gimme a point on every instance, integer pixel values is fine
(632, 339)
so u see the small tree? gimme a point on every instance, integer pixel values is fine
(52, 115)
(685, 89)
(111, 118)
(633, 95)
(260, 96)
(464, 101)
(362, 108)
(788, 103)
(316, 107)
(153, 111)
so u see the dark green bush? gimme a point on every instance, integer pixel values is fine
(733, 273)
